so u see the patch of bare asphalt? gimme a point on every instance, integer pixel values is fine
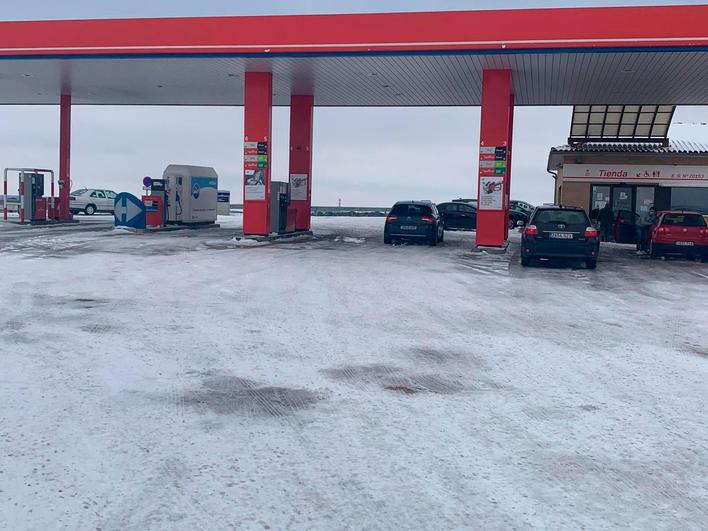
(230, 395)
(698, 350)
(78, 303)
(403, 381)
(98, 329)
(438, 356)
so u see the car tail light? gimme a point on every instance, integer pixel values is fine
(591, 232)
(661, 230)
(530, 230)
(428, 219)
(391, 217)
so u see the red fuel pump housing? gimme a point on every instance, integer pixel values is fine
(40, 209)
(291, 219)
(154, 211)
(53, 211)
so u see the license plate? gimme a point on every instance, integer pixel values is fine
(684, 243)
(408, 227)
(562, 235)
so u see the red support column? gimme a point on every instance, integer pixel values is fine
(64, 157)
(301, 114)
(495, 158)
(258, 107)
(508, 164)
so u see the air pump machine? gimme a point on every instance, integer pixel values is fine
(186, 195)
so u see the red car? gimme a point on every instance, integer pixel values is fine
(679, 232)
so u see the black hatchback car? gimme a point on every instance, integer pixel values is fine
(560, 232)
(416, 220)
(462, 215)
(457, 215)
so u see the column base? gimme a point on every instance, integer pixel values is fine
(491, 250)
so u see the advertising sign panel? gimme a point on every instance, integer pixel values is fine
(254, 189)
(491, 193)
(298, 186)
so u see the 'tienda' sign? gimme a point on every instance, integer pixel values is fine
(633, 173)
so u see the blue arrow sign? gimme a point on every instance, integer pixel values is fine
(129, 211)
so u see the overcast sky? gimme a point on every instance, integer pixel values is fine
(367, 157)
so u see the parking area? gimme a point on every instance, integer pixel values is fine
(192, 380)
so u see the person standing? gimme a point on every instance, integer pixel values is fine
(606, 217)
(645, 221)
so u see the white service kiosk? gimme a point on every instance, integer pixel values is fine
(191, 194)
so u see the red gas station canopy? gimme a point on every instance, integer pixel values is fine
(627, 55)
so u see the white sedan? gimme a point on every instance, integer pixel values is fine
(91, 200)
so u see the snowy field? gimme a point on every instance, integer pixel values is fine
(184, 381)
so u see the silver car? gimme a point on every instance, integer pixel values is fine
(91, 200)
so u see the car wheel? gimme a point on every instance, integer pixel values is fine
(591, 264)
(433, 239)
(525, 261)
(90, 210)
(387, 239)
(441, 238)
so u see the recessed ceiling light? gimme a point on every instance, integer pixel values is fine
(233, 75)
(27, 75)
(160, 86)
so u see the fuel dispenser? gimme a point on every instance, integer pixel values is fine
(32, 196)
(155, 203)
(33, 206)
(282, 218)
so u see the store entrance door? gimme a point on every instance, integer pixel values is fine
(623, 207)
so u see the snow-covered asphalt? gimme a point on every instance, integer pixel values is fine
(189, 381)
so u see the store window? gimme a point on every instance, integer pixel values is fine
(645, 200)
(622, 198)
(600, 197)
(690, 199)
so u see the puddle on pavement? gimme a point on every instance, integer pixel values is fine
(229, 395)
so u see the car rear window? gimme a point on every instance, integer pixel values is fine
(684, 220)
(411, 210)
(569, 217)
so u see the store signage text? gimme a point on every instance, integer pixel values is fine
(621, 172)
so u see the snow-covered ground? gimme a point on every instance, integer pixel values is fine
(191, 381)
